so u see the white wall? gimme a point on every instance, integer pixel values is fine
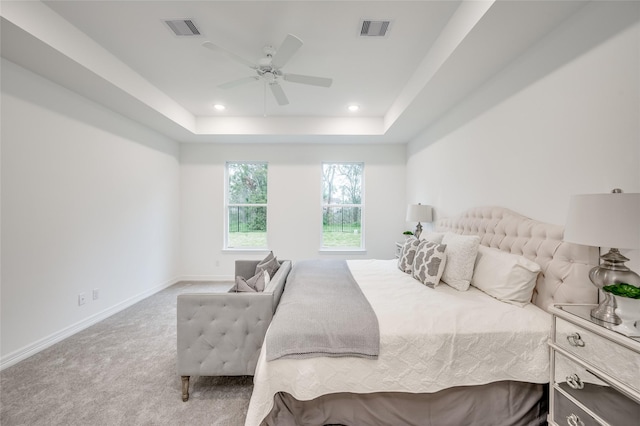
(564, 119)
(93, 200)
(294, 191)
(89, 200)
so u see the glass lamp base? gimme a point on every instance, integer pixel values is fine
(606, 311)
(611, 271)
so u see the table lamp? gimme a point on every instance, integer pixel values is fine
(419, 213)
(612, 221)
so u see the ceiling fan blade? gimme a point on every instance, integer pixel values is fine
(287, 49)
(278, 93)
(240, 59)
(238, 82)
(308, 79)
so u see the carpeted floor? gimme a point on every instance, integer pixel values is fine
(121, 371)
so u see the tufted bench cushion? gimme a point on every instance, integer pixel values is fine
(220, 334)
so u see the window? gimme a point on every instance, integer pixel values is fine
(246, 205)
(342, 205)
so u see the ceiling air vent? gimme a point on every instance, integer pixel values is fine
(369, 28)
(183, 27)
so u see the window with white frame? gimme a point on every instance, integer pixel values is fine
(342, 205)
(246, 196)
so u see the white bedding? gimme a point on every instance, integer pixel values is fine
(430, 339)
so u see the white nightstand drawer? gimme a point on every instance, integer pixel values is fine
(590, 391)
(619, 362)
(565, 412)
(565, 369)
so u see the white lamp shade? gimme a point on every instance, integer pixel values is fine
(604, 220)
(419, 213)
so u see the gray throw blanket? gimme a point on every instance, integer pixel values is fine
(323, 312)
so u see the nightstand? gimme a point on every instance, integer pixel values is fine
(595, 371)
(398, 249)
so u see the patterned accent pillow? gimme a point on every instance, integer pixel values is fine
(429, 263)
(405, 261)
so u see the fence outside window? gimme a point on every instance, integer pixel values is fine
(247, 218)
(341, 219)
(246, 224)
(342, 205)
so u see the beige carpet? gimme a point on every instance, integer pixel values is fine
(121, 371)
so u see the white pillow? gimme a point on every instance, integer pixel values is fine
(436, 237)
(461, 257)
(505, 276)
(429, 263)
(267, 279)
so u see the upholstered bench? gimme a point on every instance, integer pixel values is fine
(220, 334)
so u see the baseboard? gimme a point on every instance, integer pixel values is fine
(42, 344)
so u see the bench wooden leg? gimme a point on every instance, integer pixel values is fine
(185, 388)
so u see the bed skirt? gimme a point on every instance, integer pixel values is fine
(505, 403)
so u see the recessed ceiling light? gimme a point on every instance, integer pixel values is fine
(353, 108)
(219, 107)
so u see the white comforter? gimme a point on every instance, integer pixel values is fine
(430, 339)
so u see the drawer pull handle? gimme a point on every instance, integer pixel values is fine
(574, 339)
(574, 420)
(574, 382)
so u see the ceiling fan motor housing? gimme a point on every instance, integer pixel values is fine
(269, 75)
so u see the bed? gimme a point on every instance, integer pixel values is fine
(446, 357)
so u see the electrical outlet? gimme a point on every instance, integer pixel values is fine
(82, 299)
(96, 293)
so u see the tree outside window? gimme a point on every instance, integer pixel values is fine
(342, 206)
(246, 205)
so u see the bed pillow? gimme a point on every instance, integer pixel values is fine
(461, 257)
(429, 263)
(257, 283)
(269, 264)
(436, 237)
(405, 261)
(505, 276)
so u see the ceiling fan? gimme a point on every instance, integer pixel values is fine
(269, 68)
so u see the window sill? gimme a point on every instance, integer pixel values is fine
(245, 250)
(339, 250)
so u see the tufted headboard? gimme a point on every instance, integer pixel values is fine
(565, 266)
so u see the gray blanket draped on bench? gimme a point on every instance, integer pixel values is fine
(323, 312)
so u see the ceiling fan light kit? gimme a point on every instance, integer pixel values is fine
(268, 68)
